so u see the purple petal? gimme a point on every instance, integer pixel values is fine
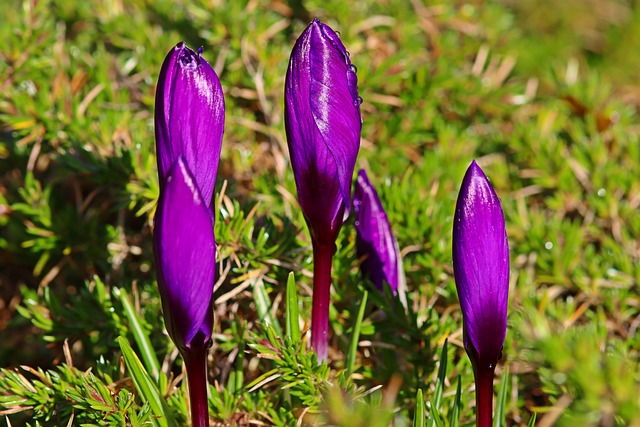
(322, 120)
(185, 250)
(481, 266)
(189, 117)
(375, 239)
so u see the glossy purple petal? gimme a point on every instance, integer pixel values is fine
(322, 120)
(375, 239)
(189, 117)
(184, 248)
(481, 267)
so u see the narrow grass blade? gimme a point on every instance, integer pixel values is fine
(436, 401)
(434, 416)
(293, 327)
(418, 419)
(355, 337)
(499, 414)
(139, 335)
(455, 410)
(145, 386)
(532, 420)
(263, 304)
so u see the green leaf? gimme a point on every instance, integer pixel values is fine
(263, 305)
(419, 417)
(145, 386)
(355, 337)
(293, 327)
(455, 410)
(499, 414)
(437, 394)
(139, 334)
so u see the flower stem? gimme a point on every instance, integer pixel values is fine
(322, 258)
(484, 395)
(195, 360)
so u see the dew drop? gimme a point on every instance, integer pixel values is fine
(491, 366)
(348, 53)
(200, 50)
(353, 68)
(602, 192)
(358, 101)
(338, 33)
(548, 246)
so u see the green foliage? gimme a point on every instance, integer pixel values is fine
(543, 94)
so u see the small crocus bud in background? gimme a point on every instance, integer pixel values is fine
(189, 121)
(375, 241)
(481, 269)
(322, 121)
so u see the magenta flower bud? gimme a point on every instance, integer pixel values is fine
(375, 240)
(189, 117)
(189, 123)
(481, 269)
(322, 120)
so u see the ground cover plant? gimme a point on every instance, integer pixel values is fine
(544, 95)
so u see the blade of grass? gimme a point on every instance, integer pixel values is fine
(355, 337)
(418, 419)
(532, 420)
(437, 394)
(263, 304)
(499, 415)
(139, 334)
(455, 410)
(293, 327)
(145, 386)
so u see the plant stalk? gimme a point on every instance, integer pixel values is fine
(322, 258)
(484, 395)
(195, 360)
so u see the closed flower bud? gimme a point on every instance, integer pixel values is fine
(481, 269)
(322, 120)
(375, 241)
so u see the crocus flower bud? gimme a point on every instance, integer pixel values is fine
(375, 240)
(185, 251)
(189, 120)
(481, 269)
(189, 123)
(322, 120)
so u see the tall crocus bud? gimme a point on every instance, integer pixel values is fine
(481, 269)
(375, 241)
(189, 121)
(322, 120)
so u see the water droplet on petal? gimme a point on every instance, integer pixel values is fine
(200, 50)
(491, 366)
(353, 68)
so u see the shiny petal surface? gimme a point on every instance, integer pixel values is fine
(481, 266)
(189, 117)
(184, 248)
(375, 239)
(322, 120)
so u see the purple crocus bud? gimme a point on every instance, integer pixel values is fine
(375, 239)
(189, 123)
(322, 120)
(481, 269)
(189, 117)
(185, 252)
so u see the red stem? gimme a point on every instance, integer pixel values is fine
(322, 258)
(484, 395)
(195, 360)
